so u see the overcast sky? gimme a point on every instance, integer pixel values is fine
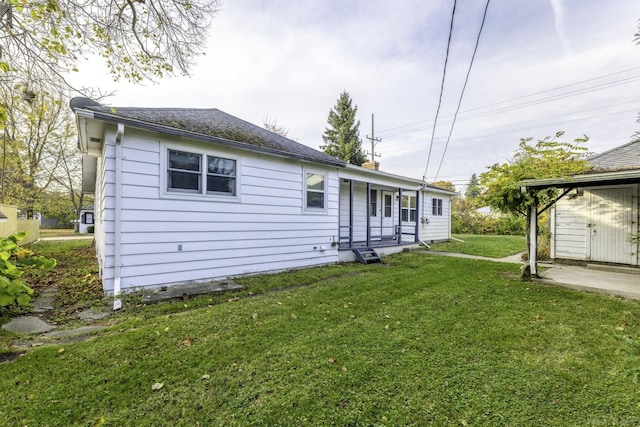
(542, 66)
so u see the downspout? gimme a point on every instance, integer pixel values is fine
(117, 237)
(418, 215)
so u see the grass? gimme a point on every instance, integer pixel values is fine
(486, 245)
(421, 340)
(57, 232)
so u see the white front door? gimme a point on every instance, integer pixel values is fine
(611, 222)
(388, 214)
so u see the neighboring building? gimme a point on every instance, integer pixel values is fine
(194, 195)
(593, 221)
(86, 220)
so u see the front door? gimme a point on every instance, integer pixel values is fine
(611, 222)
(387, 217)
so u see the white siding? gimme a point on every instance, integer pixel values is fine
(569, 237)
(174, 239)
(434, 228)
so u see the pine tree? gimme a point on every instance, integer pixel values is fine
(342, 136)
(473, 189)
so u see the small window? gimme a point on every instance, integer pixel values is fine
(388, 208)
(436, 207)
(221, 175)
(373, 203)
(409, 208)
(315, 191)
(184, 171)
(88, 218)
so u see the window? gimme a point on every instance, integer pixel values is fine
(388, 208)
(409, 208)
(186, 174)
(315, 191)
(87, 218)
(184, 171)
(373, 203)
(436, 207)
(221, 176)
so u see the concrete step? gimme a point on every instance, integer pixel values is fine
(614, 268)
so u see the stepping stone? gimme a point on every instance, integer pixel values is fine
(91, 314)
(44, 301)
(27, 325)
(72, 332)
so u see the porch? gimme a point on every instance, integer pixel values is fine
(375, 216)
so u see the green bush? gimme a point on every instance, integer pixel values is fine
(90, 229)
(13, 261)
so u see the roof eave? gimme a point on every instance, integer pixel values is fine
(585, 180)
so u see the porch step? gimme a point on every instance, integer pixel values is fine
(366, 255)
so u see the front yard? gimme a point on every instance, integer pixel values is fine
(419, 340)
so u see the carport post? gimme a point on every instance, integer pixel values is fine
(533, 239)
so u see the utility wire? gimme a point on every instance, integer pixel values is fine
(466, 80)
(525, 104)
(444, 74)
(623, 81)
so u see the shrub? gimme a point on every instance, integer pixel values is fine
(13, 261)
(90, 229)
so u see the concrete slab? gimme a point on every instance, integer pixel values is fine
(44, 301)
(186, 291)
(27, 325)
(608, 282)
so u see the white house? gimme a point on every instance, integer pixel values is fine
(599, 209)
(86, 219)
(194, 195)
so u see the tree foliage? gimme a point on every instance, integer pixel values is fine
(272, 125)
(342, 136)
(446, 185)
(546, 158)
(137, 39)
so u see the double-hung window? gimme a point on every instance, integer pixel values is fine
(315, 191)
(436, 207)
(186, 173)
(373, 203)
(408, 208)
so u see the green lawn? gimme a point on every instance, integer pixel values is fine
(489, 246)
(421, 340)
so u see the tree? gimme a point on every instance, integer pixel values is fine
(473, 188)
(272, 125)
(137, 39)
(446, 185)
(342, 136)
(547, 158)
(33, 129)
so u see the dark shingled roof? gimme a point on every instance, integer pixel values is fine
(625, 157)
(211, 125)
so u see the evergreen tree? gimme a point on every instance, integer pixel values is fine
(473, 189)
(342, 136)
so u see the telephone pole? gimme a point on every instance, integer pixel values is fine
(374, 141)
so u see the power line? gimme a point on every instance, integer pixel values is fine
(466, 80)
(586, 90)
(444, 74)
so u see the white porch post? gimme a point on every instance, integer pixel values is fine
(533, 239)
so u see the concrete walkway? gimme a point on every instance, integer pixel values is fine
(624, 282)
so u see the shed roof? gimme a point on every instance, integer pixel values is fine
(624, 157)
(210, 125)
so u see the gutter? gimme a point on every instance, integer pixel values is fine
(117, 238)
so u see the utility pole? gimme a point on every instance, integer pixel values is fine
(374, 141)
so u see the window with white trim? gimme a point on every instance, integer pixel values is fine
(87, 218)
(373, 202)
(187, 174)
(408, 208)
(315, 191)
(436, 207)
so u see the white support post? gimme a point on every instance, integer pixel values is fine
(533, 240)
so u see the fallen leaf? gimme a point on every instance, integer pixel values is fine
(205, 377)
(98, 422)
(344, 368)
(255, 316)
(61, 350)
(332, 360)
(157, 386)
(186, 342)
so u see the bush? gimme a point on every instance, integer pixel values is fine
(90, 229)
(13, 261)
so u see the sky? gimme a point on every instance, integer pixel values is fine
(541, 66)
